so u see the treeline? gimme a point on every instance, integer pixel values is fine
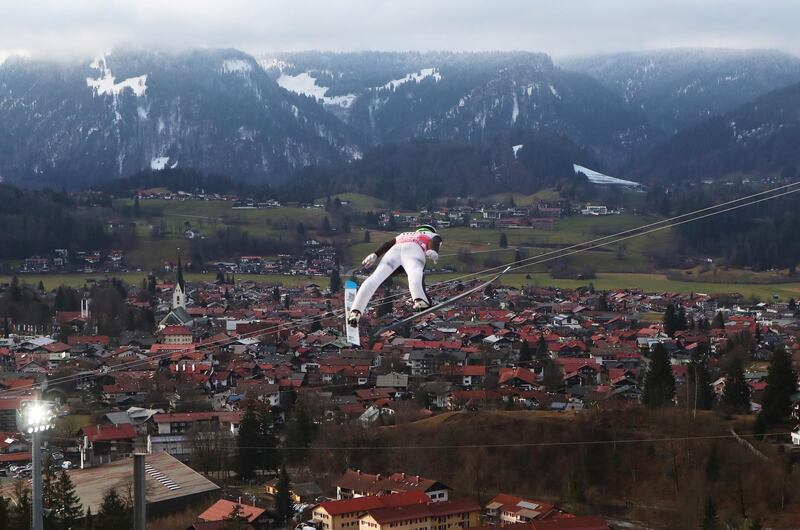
(753, 236)
(183, 179)
(234, 242)
(36, 222)
(410, 175)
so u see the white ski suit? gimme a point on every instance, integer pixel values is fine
(407, 250)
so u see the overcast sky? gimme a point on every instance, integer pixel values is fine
(61, 28)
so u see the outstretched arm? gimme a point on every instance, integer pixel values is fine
(370, 260)
(383, 249)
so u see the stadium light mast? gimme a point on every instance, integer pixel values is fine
(34, 417)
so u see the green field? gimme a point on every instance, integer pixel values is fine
(604, 281)
(52, 281)
(357, 201)
(624, 264)
(647, 282)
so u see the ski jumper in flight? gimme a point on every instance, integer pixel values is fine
(409, 251)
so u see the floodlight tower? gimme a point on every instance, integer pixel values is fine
(35, 417)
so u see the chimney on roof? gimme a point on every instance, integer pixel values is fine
(403, 475)
(417, 477)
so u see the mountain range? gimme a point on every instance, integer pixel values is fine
(264, 118)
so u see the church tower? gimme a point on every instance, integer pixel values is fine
(179, 293)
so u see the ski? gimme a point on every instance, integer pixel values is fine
(440, 305)
(352, 333)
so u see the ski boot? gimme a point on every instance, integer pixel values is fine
(420, 304)
(353, 317)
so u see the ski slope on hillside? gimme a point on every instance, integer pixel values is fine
(595, 177)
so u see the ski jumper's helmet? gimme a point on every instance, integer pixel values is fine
(426, 228)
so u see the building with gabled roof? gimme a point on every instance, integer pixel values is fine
(356, 483)
(222, 509)
(344, 514)
(508, 509)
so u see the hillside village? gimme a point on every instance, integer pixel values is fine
(218, 351)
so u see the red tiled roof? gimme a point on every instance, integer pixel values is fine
(523, 374)
(372, 502)
(222, 509)
(175, 330)
(183, 417)
(101, 433)
(88, 339)
(15, 457)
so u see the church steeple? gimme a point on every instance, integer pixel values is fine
(179, 276)
(179, 293)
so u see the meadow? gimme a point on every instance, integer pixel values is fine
(624, 264)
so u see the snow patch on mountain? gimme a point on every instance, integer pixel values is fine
(159, 163)
(414, 76)
(106, 84)
(514, 112)
(595, 177)
(306, 85)
(269, 63)
(236, 66)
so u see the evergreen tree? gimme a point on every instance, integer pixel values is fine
(21, 513)
(5, 514)
(700, 393)
(284, 509)
(67, 505)
(16, 290)
(301, 229)
(709, 515)
(781, 384)
(503, 243)
(300, 432)
(137, 208)
(659, 383)
(719, 321)
(602, 303)
(88, 520)
(736, 397)
(792, 305)
(525, 352)
(541, 348)
(336, 281)
(326, 227)
(276, 294)
(680, 319)
(236, 519)
(670, 320)
(366, 236)
(270, 457)
(247, 443)
(287, 301)
(114, 513)
(130, 320)
(40, 286)
(552, 376)
(6, 326)
(49, 482)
